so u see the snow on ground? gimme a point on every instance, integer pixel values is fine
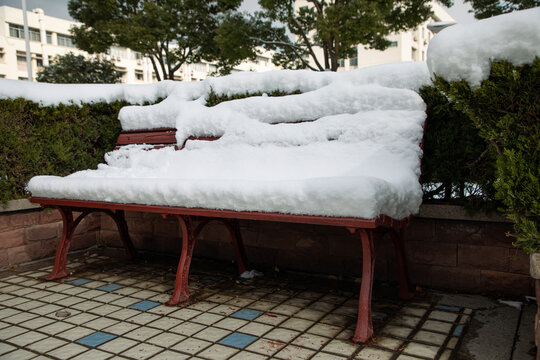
(465, 52)
(347, 146)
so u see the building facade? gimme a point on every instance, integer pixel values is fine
(50, 36)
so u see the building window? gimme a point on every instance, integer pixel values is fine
(341, 62)
(353, 61)
(139, 75)
(2, 76)
(136, 55)
(2, 55)
(39, 60)
(393, 44)
(21, 61)
(65, 40)
(17, 31)
(34, 34)
(49, 37)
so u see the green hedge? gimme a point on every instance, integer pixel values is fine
(56, 140)
(504, 108)
(458, 165)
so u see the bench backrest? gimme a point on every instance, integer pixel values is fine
(157, 137)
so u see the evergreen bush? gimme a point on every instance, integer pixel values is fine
(457, 166)
(52, 140)
(504, 108)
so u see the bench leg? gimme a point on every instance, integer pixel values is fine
(181, 289)
(401, 262)
(233, 227)
(364, 325)
(243, 263)
(69, 225)
(120, 220)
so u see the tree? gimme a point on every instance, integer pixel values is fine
(75, 69)
(170, 32)
(327, 31)
(487, 8)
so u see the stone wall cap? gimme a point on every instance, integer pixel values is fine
(18, 205)
(535, 265)
(457, 212)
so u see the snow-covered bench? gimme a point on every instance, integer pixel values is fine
(345, 152)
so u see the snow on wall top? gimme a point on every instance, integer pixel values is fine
(465, 52)
(54, 94)
(355, 151)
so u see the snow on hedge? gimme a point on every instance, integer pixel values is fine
(355, 152)
(54, 94)
(465, 52)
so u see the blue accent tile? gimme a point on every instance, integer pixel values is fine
(78, 282)
(144, 305)
(238, 340)
(96, 339)
(246, 314)
(110, 287)
(458, 331)
(447, 308)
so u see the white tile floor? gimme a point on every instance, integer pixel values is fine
(110, 309)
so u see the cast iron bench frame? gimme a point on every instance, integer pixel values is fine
(365, 228)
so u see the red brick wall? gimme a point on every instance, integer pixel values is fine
(34, 234)
(467, 255)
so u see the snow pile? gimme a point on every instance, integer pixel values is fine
(465, 52)
(347, 146)
(180, 102)
(54, 94)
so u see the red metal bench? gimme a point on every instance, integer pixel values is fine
(365, 228)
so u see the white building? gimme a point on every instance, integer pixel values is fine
(406, 46)
(49, 36)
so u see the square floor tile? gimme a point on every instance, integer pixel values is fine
(421, 350)
(435, 325)
(212, 334)
(447, 308)
(218, 352)
(110, 287)
(271, 319)
(123, 314)
(93, 354)
(20, 354)
(374, 354)
(100, 323)
(5, 348)
(283, 335)
(144, 305)
(142, 333)
(311, 341)
(187, 328)
(430, 337)
(118, 345)
(144, 318)
(171, 355)
(121, 328)
(340, 347)
(191, 346)
(443, 315)
(207, 318)
(266, 347)
(203, 306)
(297, 324)
(247, 314)
(224, 309)
(46, 345)
(294, 352)
(75, 333)
(165, 323)
(245, 355)
(56, 328)
(27, 338)
(96, 339)
(78, 282)
(255, 328)
(238, 340)
(230, 323)
(166, 339)
(142, 351)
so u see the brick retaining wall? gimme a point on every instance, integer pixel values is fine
(446, 248)
(471, 254)
(31, 234)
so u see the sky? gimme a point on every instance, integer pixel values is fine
(58, 8)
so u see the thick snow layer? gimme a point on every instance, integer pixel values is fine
(405, 75)
(54, 94)
(465, 52)
(347, 146)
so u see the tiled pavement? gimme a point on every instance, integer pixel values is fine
(111, 309)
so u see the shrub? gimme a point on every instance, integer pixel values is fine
(457, 165)
(505, 111)
(54, 140)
